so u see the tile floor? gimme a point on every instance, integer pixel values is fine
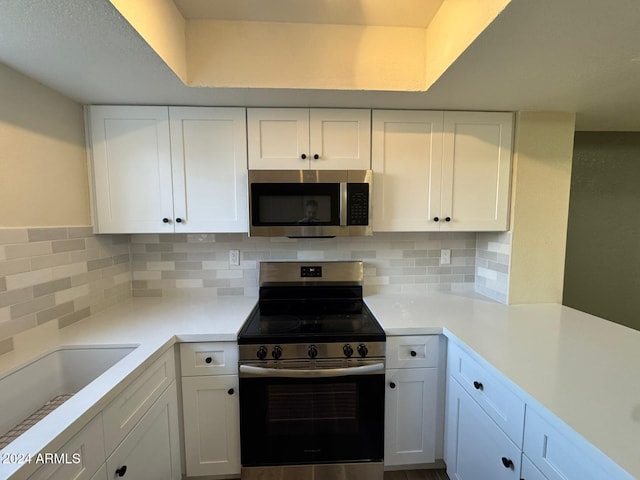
(416, 475)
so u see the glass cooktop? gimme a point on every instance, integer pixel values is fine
(290, 327)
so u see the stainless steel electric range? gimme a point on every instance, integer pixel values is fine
(311, 361)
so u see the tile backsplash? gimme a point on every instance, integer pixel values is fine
(65, 274)
(58, 274)
(195, 264)
(493, 257)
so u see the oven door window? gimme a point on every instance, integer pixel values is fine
(300, 421)
(286, 204)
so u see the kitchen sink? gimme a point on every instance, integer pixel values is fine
(36, 389)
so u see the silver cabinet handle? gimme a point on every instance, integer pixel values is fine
(317, 373)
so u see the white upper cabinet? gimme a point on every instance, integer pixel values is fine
(209, 164)
(131, 169)
(406, 163)
(162, 169)
(476, 171)
(441, 171)
(317, 139)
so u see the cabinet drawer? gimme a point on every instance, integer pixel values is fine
(210, 358)
(121, 415)
(79, 458)
(557, 457)
(491, 393)
(476, 448)
(413, 352)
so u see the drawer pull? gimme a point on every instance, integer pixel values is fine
(121, 471)
(392, 385)
(230, 391)
(413, 353)
(208, 360)
(507, 463)
(478, 385)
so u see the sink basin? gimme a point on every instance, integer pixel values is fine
(36, 389)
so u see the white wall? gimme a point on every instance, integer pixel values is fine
(43, 167)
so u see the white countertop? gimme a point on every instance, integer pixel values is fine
(579, 367)
(151, 324)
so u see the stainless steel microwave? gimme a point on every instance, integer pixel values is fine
(309, 203)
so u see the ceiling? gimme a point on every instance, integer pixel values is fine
(578, 56)
(399, 13)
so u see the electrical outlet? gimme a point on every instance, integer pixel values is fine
(234, 258)
(445, 256)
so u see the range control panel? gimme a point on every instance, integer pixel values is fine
(311, 272)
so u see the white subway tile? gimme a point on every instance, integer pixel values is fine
(13, 235)
(27, 279)
(229, 274)
(161, 266)
(189, 283)
(147, 275)
(70, 270)
(64, 296)
(486, 273)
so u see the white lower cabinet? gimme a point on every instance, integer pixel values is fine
(78, 459)
(152, 448)
(475, 447)
(211, 425)
(210, 408)
(410, 416)
(556, 456)
(137, 433)
(529, 471)
(493, 431)
(412, 405)
(101, 474)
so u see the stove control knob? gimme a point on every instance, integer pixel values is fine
(277, 352)
(313, 351)
(363, 350)
(262, 353)
(347, 350)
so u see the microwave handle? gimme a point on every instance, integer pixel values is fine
(343, 204)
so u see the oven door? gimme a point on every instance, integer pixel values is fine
(314, 420)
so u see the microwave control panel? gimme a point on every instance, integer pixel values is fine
(358, 204)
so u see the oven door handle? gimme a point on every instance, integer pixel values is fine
(317, 373)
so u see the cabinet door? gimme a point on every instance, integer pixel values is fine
(474, 445)
(410, 416)
(152, 448)
(477, 166)
(78, 459)
(559, 457)
(406, 163)
(101, 474)
(131, 169)
(209, 163)
(278, 138)
(529, 471)
(211, 425)
(340, 139)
